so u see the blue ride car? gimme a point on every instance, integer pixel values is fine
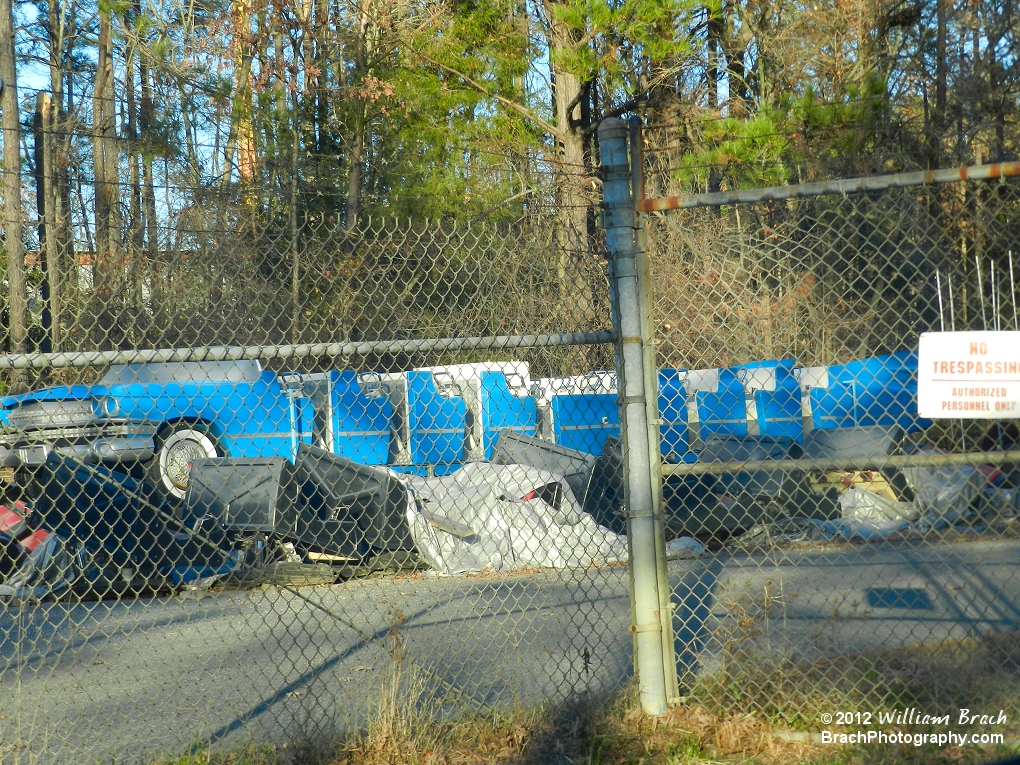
(162, 415)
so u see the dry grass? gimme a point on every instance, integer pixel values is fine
(979, 673)
(607, 733)
(693, 734)
(740, 717)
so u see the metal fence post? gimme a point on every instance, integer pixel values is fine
(628, 306)
(651, 375)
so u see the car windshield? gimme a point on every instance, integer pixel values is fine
(184, 371)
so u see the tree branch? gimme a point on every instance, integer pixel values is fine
(629, 104)
(512, 105)
(582, 92)
(496, 206)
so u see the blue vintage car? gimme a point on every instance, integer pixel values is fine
(163, 415)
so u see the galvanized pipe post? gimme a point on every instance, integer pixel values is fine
(651, 379)
(629, 306)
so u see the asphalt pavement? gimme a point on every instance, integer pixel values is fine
(132, 679)
(126, 681)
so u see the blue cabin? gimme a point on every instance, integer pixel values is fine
(585, 411)
(878, 391)
(776, 396)
(722, 408)
(361, 418)
(673, 437)
(502, 405)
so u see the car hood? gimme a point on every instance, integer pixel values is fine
(60, 393)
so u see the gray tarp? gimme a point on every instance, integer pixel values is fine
(942, 495)
(46, 570)
(504, 517)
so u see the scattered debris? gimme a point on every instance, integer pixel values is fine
(944, 494)
(683, 548)
(248, 523)
(502, 518)
(48, 569)
(870, 506)
(783, 530)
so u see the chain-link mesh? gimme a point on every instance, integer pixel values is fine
(366, 464)
(264, 473)
(862, 558)
(244, 281)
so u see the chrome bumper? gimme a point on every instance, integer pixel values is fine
(109, 442)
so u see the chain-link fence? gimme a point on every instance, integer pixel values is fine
(270, 482)
(862, 557)
(270, 478)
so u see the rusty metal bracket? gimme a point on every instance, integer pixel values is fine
(635, 628)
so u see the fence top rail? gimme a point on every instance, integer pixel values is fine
(234, 353)
(845, 463)
(845, 186)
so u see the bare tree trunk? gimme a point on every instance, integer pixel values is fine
(58, 200)
(90, 242)
(715, 34)
(194, 170)
(148, 182)
(355, 161)
(18, 300)
(46, 203)
(281, 67)
(359, 131)
(136, 227)
(154, 262)
(571, 194)
(104, 135)
(55, 19)
(240, 138)
(99, 115)
(938, 123)
(139, 268)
